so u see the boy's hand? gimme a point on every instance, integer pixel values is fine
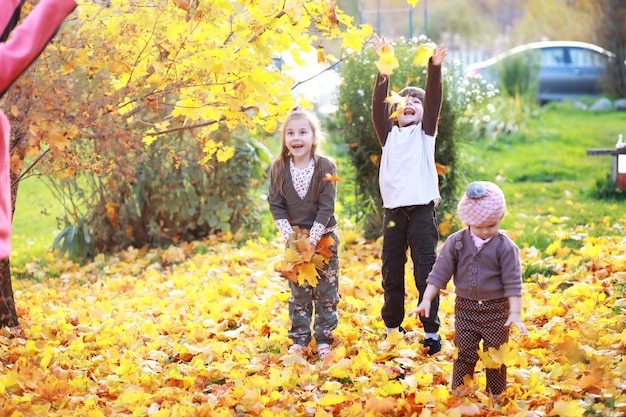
(439, 54)
(423, 309)
(379, 43)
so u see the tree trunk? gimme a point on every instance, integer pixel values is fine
(611, 31)
(8, 314)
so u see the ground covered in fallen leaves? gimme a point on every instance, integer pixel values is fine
(201, 330)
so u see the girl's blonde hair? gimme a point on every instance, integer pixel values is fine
(281, 163)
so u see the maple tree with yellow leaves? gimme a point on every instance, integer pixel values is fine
(122, 74)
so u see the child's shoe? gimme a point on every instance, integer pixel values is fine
(297, 349)
(433, 345)
(323, 350)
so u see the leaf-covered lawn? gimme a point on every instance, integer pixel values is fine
(201, 330)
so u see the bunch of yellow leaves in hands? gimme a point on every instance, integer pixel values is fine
(301, 262)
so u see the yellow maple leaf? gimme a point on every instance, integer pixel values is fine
(321, 56)
(323, 246)
(391, 388)
(441, 169)
(387, 61)
(495, 358)
(567, 408)
(307, 272)
(333, 399)
(341, 368)
(412, 3)
(318, 260)
(132, 395)
(395, 98)
(330, 12)
(57, 138)
(292, 255)
(397, 102)
(424, 52)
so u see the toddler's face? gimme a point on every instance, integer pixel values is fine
(486, 231)
(413, 112)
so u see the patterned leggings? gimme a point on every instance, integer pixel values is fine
(322, 298)
(476, 321)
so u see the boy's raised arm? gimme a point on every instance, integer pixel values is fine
(434, 90)
(380, 109)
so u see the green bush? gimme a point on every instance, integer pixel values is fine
(354, 121)
(518, 75)
(159, 195)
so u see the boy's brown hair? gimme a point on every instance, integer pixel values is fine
(413, 92)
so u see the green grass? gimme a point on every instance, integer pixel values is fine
(34, 221)
(546, 175)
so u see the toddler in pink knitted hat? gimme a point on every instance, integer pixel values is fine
(486, 269)
(483, 204)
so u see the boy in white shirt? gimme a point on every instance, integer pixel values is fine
(409, 186)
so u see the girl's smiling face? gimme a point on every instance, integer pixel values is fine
(299, 139)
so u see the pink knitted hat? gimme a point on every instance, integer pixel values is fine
(482, 204)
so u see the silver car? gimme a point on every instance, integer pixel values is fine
(564, 69)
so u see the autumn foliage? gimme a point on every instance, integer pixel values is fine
(201, 330)
(143, 102)
(302, 262)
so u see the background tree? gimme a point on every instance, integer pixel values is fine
(189, 73)
(125, 74)
(610, 24)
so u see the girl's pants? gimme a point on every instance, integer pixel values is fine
(475, 321)
(323, 297)
(413, 227)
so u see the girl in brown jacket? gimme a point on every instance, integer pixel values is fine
(300, 195)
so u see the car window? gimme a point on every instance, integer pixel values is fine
(552, 57)
(587, 58)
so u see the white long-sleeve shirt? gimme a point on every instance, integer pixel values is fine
(408, 174)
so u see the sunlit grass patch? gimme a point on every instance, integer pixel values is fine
(34, 221)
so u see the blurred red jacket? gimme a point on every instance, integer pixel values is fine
(19, 47)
